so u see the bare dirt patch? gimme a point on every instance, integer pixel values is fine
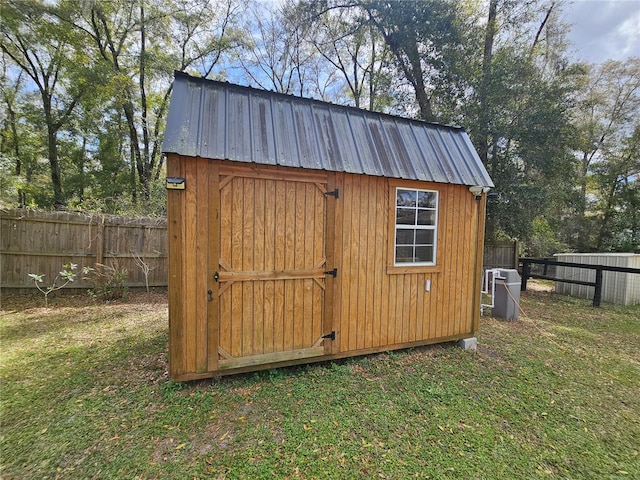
(540, 286)
(19, 302)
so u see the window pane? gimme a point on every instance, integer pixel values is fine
(405, 216)
(404, 237)
(406, 198)
(426, 217)
(416, 223)
(404, 255)
(424, 254)
(427, 199)
(424, 237)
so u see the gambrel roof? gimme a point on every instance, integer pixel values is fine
(223, 121)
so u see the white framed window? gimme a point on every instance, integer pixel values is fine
(416, 227)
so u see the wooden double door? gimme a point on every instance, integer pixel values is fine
(272, 271)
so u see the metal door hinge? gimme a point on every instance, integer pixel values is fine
(333, 273)
(330, 336)
(335, 193)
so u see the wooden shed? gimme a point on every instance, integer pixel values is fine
(302, 231)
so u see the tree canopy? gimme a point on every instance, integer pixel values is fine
(85, 89)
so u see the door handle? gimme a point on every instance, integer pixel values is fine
(210, 293)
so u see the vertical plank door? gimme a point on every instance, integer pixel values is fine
(272, 268)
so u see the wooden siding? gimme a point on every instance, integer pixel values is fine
(381, 305)
(191, 321)
(271, 233)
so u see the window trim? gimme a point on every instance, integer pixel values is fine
(421, 267)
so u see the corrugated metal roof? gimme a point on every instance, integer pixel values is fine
(223, 121)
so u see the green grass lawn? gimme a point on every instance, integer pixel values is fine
(85, 394)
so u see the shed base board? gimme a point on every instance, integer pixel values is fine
(270, 358)
(185, 377)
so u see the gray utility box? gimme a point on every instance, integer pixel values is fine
(507, 295)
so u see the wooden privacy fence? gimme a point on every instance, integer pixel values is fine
(500, 255)
(42, 242)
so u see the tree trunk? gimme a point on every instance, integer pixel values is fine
(483, 120)
(52, 152)
(137, 162)
(411, 66)
(539, 32)
(582, 207)
(147, 162)
(608, 212)
(16, 150)
(80, 166)
(58, 196)
(413, 72)
(424, 102)
(132, 176)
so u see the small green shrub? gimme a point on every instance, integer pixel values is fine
(109, 282)
(67, 274)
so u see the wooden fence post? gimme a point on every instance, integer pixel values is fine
(100, 242)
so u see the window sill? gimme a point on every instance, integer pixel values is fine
(403, 270)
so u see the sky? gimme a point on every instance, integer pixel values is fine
(603, 29)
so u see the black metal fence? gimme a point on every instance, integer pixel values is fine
(545, 269)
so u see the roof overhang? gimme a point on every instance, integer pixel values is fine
(223, 121)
